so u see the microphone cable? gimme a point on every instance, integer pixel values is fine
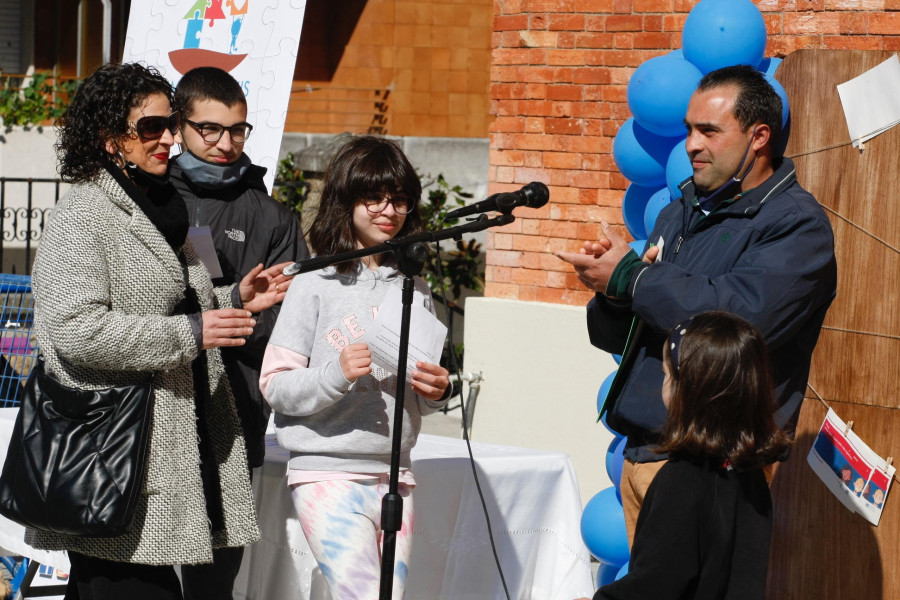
(465, 425)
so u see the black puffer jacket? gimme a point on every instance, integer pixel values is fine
(248, 227)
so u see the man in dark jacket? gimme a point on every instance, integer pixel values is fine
(231, 215)
(745, 238)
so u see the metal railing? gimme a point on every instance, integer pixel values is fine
(22, 221)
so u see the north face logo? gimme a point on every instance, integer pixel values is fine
(235, 234)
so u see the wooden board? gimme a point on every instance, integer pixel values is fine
(820, 549)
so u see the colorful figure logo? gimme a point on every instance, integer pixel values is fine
(207, 17)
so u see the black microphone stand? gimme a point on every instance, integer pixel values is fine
(410, 253)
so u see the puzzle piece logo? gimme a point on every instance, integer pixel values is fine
(254, 40)
(207, 19)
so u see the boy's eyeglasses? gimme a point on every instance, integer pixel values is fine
(153, 128)
(376, 203)
(213, 132)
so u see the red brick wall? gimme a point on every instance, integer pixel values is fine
(559, 76)
(408, 67)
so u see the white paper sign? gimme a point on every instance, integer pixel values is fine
(201, 240)
(857, 476)
(872, 101)
(255, 41)
(426, 334)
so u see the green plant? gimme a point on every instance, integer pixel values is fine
(459, 268)
(44, 99)
(291, 187)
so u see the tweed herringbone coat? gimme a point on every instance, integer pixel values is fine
(105, 282)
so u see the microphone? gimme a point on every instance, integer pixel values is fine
(533, 195)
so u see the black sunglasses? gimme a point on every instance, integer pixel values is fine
(153, 128)
(213, 132)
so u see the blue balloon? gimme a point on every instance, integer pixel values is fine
(640, 155)
(782, 93)
(606, 574)
(633, 205)
(722, 33)
(615, 456)
(768, 66)
(656, 203)
(638, 246)
(606, 424)
(617, 358)
(659, 91)
(678, 168)
(604, 390)
(679, 53)
(603, 528)
(622, 572)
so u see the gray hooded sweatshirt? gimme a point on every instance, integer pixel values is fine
(327, 422)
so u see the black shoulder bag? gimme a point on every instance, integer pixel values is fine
(77, 458)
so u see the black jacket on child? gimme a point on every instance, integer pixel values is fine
(702, 534)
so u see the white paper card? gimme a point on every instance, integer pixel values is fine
(201, 238)
(857, 476)
(871, 101)
(426, 334)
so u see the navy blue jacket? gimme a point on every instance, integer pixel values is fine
(768, 256)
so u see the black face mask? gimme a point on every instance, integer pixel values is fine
(709, 201)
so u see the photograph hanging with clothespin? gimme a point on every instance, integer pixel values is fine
(857, 476)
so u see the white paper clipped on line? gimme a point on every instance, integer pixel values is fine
(856, 475)
(871, 101)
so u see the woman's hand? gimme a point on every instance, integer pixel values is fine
(260, 289)
(226, 327)
(430, 381)
(356, 361)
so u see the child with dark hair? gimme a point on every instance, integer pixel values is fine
(704, 528)
(333, 408)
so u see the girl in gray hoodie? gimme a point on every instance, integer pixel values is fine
(332, 406)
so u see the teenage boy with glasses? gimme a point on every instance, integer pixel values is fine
(227, 200)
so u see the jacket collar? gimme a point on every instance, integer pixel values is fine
(139, 225)
(750, 202)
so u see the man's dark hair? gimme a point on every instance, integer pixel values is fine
(207, 83)
(98, 112)
(756, 102)
(363, 165)
(722, 402)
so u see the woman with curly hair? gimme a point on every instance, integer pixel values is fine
(121, 297)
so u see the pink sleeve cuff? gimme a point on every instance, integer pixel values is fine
(276, 361)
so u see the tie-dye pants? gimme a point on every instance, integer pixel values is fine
(342, 523)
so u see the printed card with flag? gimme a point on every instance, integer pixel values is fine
(856, 475)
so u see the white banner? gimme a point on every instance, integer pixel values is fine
(254, 40)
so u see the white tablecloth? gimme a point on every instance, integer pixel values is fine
(534, 507)
(532, 499)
